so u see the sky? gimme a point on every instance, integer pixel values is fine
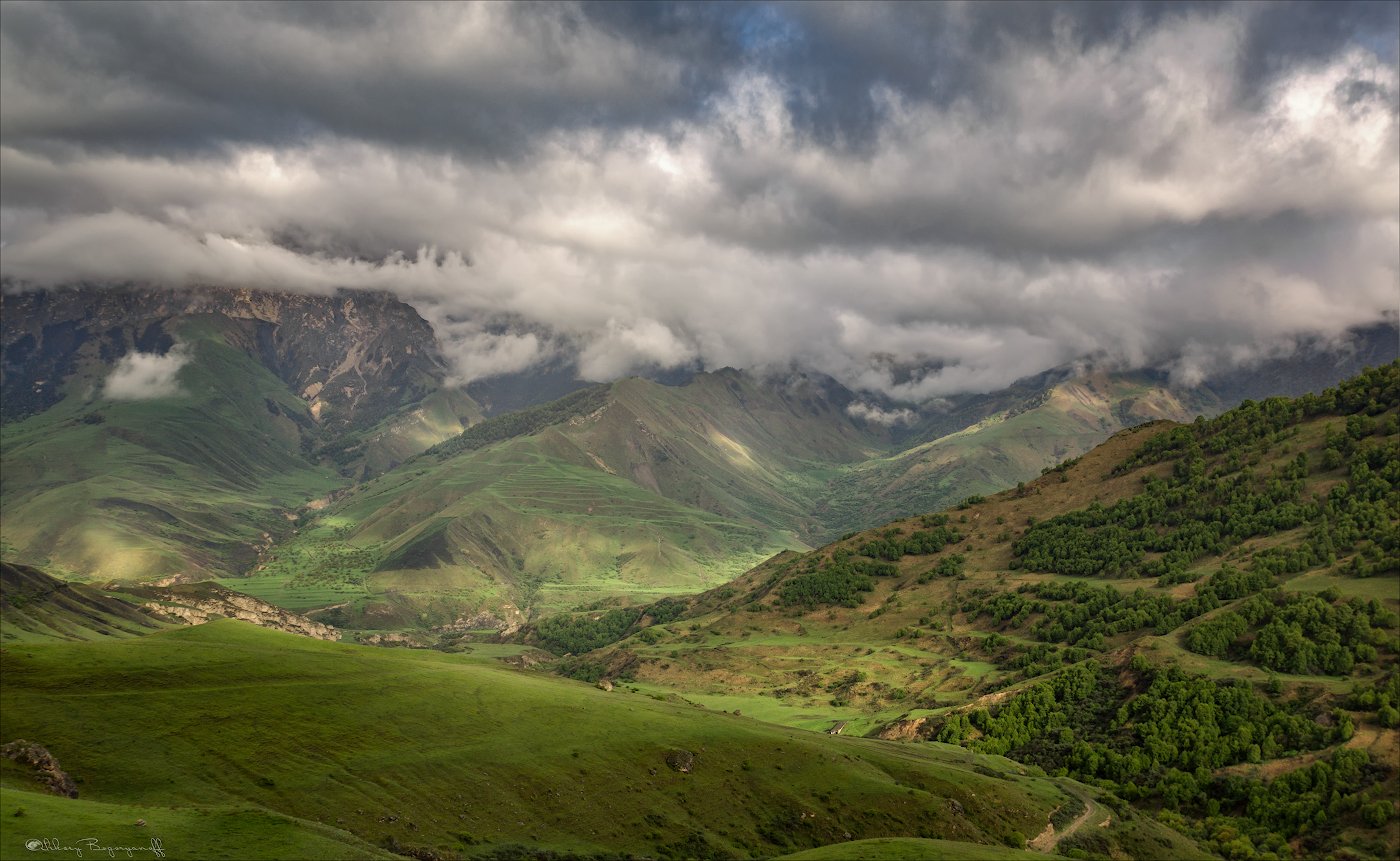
(918, 200)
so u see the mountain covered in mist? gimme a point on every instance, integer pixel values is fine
(319, 448)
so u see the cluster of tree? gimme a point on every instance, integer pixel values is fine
(621, 667)
(1296, 633)
(949, 566)
(1084, 722)
(566, 634)
(837, 582)
(1214, 637)
(1383, 698)
(523, 422)
(667, 610)
(1166, 743)
(1062, 468)
(1310, 800)
(1361, 516)
(1199, 511)
(1184, 517)
(1041, 658)
(1253, 425)
(923, 542)
(1083, 614)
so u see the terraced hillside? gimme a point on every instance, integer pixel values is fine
(234, 741)
(1200, 618)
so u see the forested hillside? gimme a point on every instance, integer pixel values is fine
(1199, 618)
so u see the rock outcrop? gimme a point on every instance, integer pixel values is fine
(681, 760)
(46, 769)
(197, 603)
(903, 730)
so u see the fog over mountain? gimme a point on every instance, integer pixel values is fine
(977, 192)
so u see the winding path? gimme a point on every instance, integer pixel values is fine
(1047, 841)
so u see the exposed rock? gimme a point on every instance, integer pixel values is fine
(903, 730)
(955, 806)
(393, 638)
(355, 356)
(528, 660)
(604, 685)
(198, 603)
(681, 760)
(46, 769)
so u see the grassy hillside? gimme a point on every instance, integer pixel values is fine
(909, 849)
(634, 489)
(276, 396)
(1257, 549)
(285, 746)
(233, 832)
(1010, 445)
(191, 484)
(638, 490)
(35, 606)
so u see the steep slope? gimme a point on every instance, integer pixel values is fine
(638, 490)
(1013, 444)
(186, 485)
(237, 408)
(35, 606)
(633, 488)
(1246, 564)
(355, 357)
(431, 755)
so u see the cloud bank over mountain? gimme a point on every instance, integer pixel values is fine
(917, 200)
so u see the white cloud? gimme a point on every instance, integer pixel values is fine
(146, 376)
(877, 415)
(1128, 201)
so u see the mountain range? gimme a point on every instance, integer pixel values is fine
(1180, 644)
(314, 451)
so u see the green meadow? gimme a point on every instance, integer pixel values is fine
(234, 741)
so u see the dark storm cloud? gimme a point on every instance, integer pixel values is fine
(481, 80)
(984, 190)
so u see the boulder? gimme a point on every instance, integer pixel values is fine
(681, 760)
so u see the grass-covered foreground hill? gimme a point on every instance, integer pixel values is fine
(230, 741)
(1201, 619)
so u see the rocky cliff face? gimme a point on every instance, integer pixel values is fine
(355, 357)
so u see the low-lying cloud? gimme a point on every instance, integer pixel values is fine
(146, 376)
(987, 196)
(878, 415)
